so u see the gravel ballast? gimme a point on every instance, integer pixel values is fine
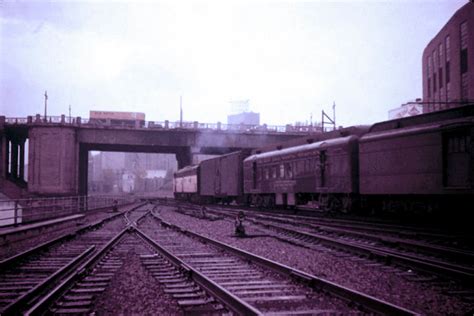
(134, 291)
(383, 282)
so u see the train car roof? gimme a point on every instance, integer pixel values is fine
(300, 148)
(244, 152)
(443, 115)
(186, 170)
(419, 129)
(357, 130)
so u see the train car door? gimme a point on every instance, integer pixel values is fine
(322, 168)
(218, 179)
(458, 158)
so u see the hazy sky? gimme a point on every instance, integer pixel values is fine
(290, 58)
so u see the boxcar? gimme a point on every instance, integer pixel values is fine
(221, 178)
(420, 164)
(326, 171)
(186, 183)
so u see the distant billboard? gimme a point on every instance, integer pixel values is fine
(409, 109)
(114, 115)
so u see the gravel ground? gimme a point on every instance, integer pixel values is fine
(381, 282)
(134, 291)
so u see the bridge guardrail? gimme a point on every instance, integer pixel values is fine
(22, 211)
(167, 125)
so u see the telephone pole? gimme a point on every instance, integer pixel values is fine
(45, 105)
(180, 111)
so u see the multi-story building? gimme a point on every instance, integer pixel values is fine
(448, 63)
(245, 118)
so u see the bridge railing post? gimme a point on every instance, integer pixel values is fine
(15, 215)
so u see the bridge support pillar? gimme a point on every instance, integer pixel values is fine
(184, 157)
(14, 160)
(53, 161)
(21, 173)
(3, 156)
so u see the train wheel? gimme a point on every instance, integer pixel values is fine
(334, 204)
(347, 204)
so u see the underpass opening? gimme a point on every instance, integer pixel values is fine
(130, 173)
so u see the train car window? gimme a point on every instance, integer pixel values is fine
(300, 166)
(282, 171)
(289, 171)
(457, 159)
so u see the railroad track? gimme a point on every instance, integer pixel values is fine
(26, 275)
(264, 285)
(444, 262)
(424, 235)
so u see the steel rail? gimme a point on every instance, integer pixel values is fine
(26, 299)
(42, 304)
(369, 302)
(431, 266)
(10, 261)
(5, 263)
(434, 249)
(231, 301)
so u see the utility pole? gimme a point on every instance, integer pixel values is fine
(334, 114)
(180, 111)
(45, 105)
(69, 114)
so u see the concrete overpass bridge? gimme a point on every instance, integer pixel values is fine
(57, 154)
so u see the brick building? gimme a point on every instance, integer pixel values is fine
(448, 63)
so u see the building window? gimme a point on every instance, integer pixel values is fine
(282, 171)
(464, 61)
(434, 83)
(429, 87)
(430, 66)
(448, 48)
(448, 75)
(440, 74)
(464, 35)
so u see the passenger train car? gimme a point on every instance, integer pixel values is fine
(302, 173)
(416, 164)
